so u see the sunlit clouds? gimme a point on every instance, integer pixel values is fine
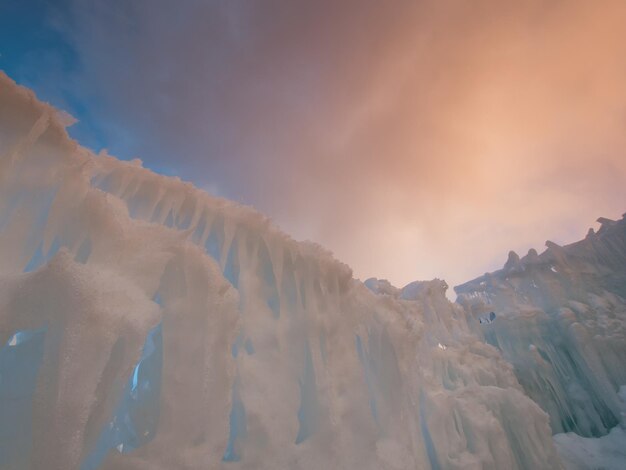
(413, 139)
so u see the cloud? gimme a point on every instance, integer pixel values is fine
(414, 139)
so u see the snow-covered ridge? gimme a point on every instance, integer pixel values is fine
(146, 324)
(560, 319)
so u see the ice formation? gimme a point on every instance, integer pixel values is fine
(560, 319)
(147, 325)
(584, 453)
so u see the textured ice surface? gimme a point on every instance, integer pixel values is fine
(158, 327)
(560, 319)
(585, 453)
(607, 452)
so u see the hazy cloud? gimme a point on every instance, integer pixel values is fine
(414, 139)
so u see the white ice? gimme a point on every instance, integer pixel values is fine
(164, 328)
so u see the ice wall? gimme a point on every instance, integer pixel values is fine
(148, 325)
(560, 319)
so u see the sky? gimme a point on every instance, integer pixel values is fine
(414, 139)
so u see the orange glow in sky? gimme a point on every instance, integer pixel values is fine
(413, 139)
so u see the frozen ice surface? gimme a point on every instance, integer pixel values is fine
(584, 453)
(157, 327)
(560, 320)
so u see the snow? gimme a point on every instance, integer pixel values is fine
(147, 324)
(583, 453)
(607, 452)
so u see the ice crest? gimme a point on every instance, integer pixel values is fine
(146, 324)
